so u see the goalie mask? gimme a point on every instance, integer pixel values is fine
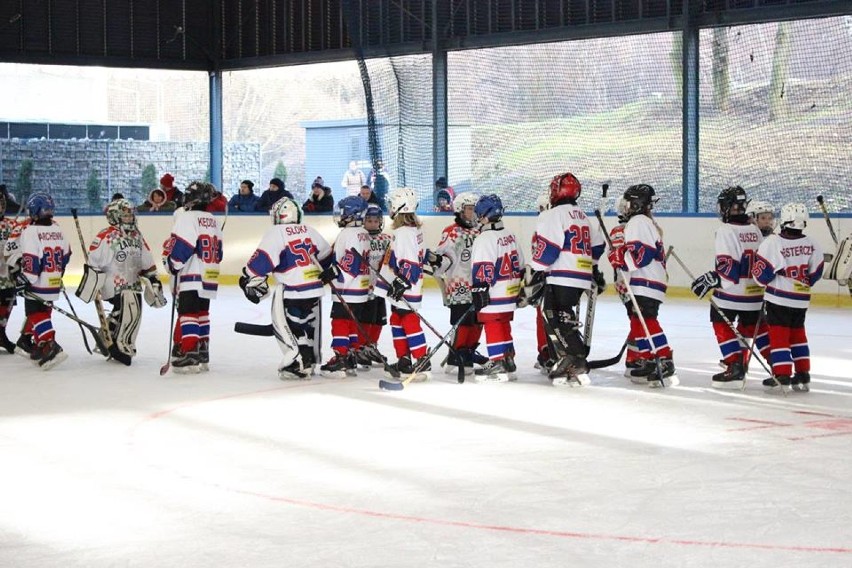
(120, 213)
(285, 211)
(460, 206)
(564, 187)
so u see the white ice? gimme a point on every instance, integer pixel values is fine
(104, 465)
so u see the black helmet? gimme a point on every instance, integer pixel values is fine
(198, 193)
(640, 198)
(732, 201)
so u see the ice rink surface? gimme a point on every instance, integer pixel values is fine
(105, 465)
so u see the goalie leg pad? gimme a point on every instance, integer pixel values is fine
(841, 265)
(287, 342)
(129, 317)
(92, 283)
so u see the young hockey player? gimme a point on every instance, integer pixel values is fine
(496, 272)
(642, 261)
(374, 311)
(44, 256)
(762, 214)
(734, 290)
(289, 251)
(788, 265)
(7, 285)
(616, 235)
(403, 278)
(452, 268)
(194, 253)
(348, 273)
(567, 247)
(122, 269)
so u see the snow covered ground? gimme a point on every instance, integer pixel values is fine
(104, 465)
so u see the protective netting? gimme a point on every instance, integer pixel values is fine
(776, 112)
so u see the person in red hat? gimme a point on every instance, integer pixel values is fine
(167, 184)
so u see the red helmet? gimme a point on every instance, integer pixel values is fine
(564, 186)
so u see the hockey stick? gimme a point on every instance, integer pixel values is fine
(743, 341)
(635, 304)
(73, 311)
(260, 330)
(165, 368)
(84, 324)
(601, 363)
(757, 325)
(398, 386)
(821, 202)
(460, 376)
(593, 291)
(99, 306)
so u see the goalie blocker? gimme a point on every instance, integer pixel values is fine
(840, 268)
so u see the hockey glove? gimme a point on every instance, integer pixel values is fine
(398, 288)
(706, 282)
(616, 258)
(479, 298)
(20, 281)
(434, 259)
(598, 279)
(254, 287)
(330, 274)
(533, 288)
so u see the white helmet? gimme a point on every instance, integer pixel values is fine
(402, 200)
(285, 211)
(462, 200)
(756, 207)
(794, 216)
(543, 200)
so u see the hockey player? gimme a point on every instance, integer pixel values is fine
(788, 265)
(642, 261)
(289, 251)
(451, 264)
(122, 269)
(496, 272)
(348, 273)
(7, 285)
(374, 311)
(567, 247)
(194, 253)
(762, 214)
(403, 278)
(734, 290)
(44, 255)
(616, 235)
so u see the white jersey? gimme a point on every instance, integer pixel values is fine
(353, 282)
(288, 252)
(195, 249)
(566, 246)
(645, 258)
(497, 263)
(8, 230)
(404, 259)
(455, 270)
(44, 255)
(122, 256)
(379, 244)
(736, 246)
(788, 267)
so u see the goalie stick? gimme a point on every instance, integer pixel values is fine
(73, 311)
(99, 306)
(821, 202)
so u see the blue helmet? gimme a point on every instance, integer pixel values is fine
(40, 206)
(490, 207)
(350, 211)
(373, 211)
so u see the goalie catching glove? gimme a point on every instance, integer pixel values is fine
(706, 282)
(533, 288)
(254, 287)
(152, 290)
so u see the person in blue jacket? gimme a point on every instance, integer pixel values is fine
(245, 200)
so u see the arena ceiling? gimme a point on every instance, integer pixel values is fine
(238, 34)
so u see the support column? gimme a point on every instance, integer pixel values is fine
(216, 145)
(690, 110)
(439, 101)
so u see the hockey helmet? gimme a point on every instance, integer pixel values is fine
(198, 193)
(462, 200)
(543, 200)
(40, 206)
(794, 216)
(285, 211)
(349, 211)
(731, 201)
(640, 199)
(374, 212)
(489, 207)
(756, 207)
(120, 213)
(622, 209)
(564, 186)
(402, 200)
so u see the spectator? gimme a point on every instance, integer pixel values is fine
(275, 192)
(320, 200)
(443, 196)
(173, 194)
(117, 196)
(381, 183)
(245, 199)
(369, 196)
(157, 202)
(353, 179)
(12, 206)
(219, 203)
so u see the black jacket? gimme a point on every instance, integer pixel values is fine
(324, 204)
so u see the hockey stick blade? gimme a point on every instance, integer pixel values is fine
(254, 329)
(601, 363)
(390, 385)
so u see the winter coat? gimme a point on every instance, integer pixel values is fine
(268, 199)
(324, 204)
(243, 203)
(148, 205)
(218, 205)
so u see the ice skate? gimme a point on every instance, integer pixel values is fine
(777, 383)
(185, 363)
(401, 367)
(5, 343)
(669, 378)
(630, 365)
(204, 355)
(499, 371)
(570, 371)
(800, 382)
(732, 377)
(339, 366)
(642, 370)
(458, 357)
(50, 354)
(424, 371)
(24, 346)
(293, 372)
